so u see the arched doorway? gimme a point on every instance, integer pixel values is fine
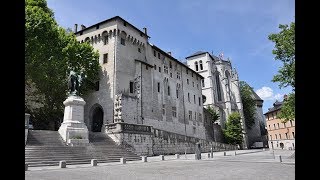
(97, 119)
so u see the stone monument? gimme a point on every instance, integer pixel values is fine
(73, 130)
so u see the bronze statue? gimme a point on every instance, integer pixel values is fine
(73, 83)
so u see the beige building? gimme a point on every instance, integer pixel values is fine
(280, 135)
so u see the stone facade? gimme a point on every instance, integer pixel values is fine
(155, 88)
(220, 86)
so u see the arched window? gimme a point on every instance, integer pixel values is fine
(105, 37)
(196, 65)
(200, 63)
(228, 84)
(218, 87)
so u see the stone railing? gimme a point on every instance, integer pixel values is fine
(121, 127)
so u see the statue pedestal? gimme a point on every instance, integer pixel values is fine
(73, 130)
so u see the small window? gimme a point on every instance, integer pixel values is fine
(105, 58)
(177, 92)
(187, 81)
(194, 130)
(270, 137)
(96, 87)
(146, 67)
(284, 125)
(286, 135)
(163, 109)
(278, 126)
(97, 27)
(155, 67)
(269, 127)
(201, 67)
(274, 126)
(171, 74)
(192, 84)
(168, 90)
(293, 135)
(194, 99)
(123, 41)
(187, 71)
(192, 74)
(105, 40)
(131, 87)
(276, 136)
(139, 50)
(202, 82)
(189, 97)
(158, 87)
(165, 69)
(195, 116)
(124, 23)
(279, 136)
(199, 101)
(174, 111)
(196, 65)
(178, 75)
(291, 123)
(170, 64)
(154, 53)
(158, 55)
(200, 117)
(190, 115)
(159, 69)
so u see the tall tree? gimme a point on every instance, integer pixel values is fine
(214, 115)
(50, 54)
(233, 131)
(249, 104)
(285, 52)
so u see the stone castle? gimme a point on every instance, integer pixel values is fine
(144, 92)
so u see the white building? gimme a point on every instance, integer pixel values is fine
(140, 83)
(220, 86)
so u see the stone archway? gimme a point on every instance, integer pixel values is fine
(97, 119)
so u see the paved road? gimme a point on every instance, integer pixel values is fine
(254, 165)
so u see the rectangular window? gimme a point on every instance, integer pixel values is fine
(202, 82)
(194, 130)
(160, 69)
(274, 126)
(293, 135)
(105, 58)
(278, 126)
(187, 71)
(174, 111)
(163, 109)
(194, 99)
(187, 81)
(97, 27)
(200, 117)
(286, 135)
(188, 97)
(171, 74)
(155, 67)
(199, 101)
(197, 86)
(192, 84)
(131, 87)
(177, 92)
(195, 116)
(158, 87)
(158, 55)
(165, 69)
(168, 90)
(139, 50)
(105, 40)
(190, 115)
(97, 86)
(178, 75)
(123, 41)
(279, 136)
(154, 53)
(170, 64)
(276, 136)
(291, 123)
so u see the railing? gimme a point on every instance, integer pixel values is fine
(130, 128)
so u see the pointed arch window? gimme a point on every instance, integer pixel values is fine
(196, 65)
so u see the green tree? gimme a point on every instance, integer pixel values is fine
(233, 131)
(50, 54)
(214, 115)
(249, 104)
(285, 52)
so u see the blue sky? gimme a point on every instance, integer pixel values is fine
(237, 28)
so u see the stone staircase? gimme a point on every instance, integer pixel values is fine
(46, 148)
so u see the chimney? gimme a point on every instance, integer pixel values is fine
(75, 28)
(169, 53)
(145, 31)
(82, 27)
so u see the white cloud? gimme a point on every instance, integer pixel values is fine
(266, 93)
